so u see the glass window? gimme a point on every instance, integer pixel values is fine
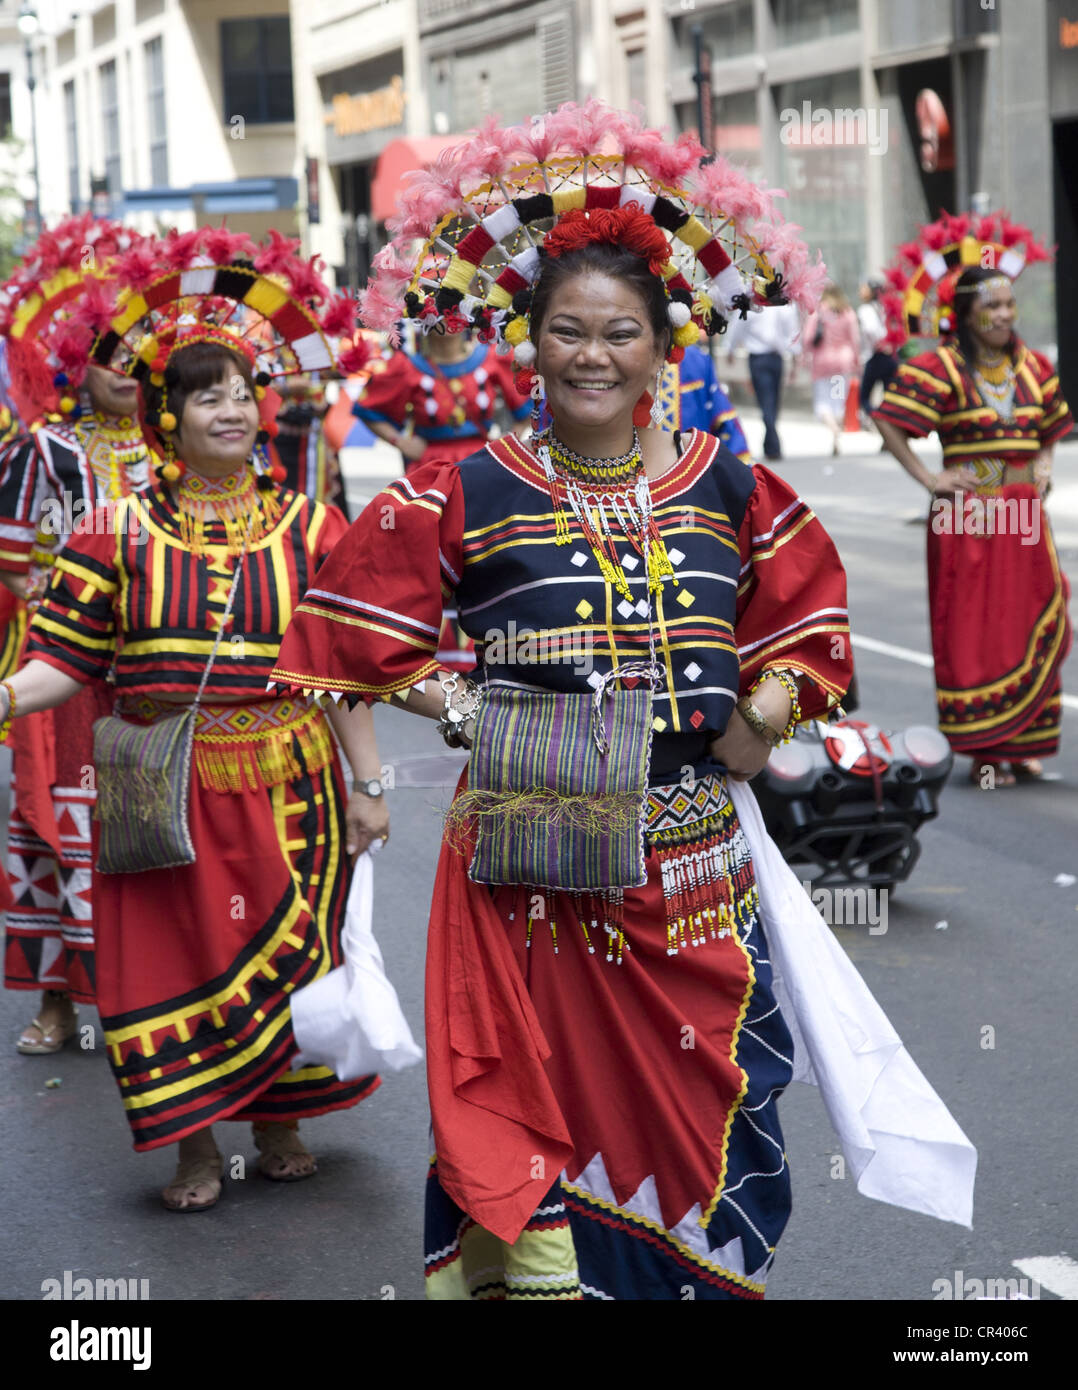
(256, 63)
(71, 124)
(110, 125)
(825, 139)
(800, 21)
(727, 29)
(155, 101)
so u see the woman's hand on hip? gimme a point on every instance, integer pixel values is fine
(366, 820)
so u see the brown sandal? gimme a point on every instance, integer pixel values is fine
(192, 1174)
(1000, 777)
(284, 1156)
(1028, 770)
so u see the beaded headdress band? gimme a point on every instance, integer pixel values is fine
(473, 229)
(925, 271)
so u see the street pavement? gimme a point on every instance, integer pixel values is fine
(976, 971)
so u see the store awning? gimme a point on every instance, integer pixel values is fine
(213, 199)
(398, 157)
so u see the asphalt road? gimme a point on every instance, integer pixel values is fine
(981, 937)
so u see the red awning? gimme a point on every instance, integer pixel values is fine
(398, 157)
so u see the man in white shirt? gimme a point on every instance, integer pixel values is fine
(768, 337)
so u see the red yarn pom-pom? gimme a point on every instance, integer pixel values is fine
(642, 412)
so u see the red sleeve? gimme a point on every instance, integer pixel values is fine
(918, 396)
(1057, 421)
(385, 397)
(516, 403)
(791, 598)
(369, 625)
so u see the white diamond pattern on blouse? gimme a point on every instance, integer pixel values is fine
(629, 562)
(626, 609)
(692, 670)
(675, 556)
(578, 558)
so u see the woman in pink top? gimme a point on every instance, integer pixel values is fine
(832, 342)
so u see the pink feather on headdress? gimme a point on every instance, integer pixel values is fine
(896, 276)
(378, 311)
(492, 147)
(339, 316)
(355, 358)
(423, 201)
(1035, 251)
(305, 278)
(223, 247)
(392, 269)
(179, 249)
(278, 255)
(138, 267)
(71, 345)
(1010, 233)
(671, 163)
(934, 235)
(96, 307)
(984, 228)
(957, 227)
(540, 138)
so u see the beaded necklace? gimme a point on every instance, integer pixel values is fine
(603, 494)
(247, 514)
(116, 452)
(996, 385)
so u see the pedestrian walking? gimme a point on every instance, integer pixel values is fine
(832, 342)
(595, 918)
(770, 340)
(997, 595)
(225, 830)
(877, 354)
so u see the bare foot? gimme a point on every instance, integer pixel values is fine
(197, 1184)
(284, 1156)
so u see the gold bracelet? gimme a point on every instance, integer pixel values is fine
(9, 718)
(786, 679)
(757, 723)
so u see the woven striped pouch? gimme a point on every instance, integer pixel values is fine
(547, 808)
(143, 786)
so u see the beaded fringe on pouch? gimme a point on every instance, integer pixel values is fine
(707, 878)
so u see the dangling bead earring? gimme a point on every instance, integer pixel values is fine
(657, 412)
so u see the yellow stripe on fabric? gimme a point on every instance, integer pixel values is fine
(64, 564)
(236, 985)
(366, 625)
(159, 590)
(667, 658)
(784, 539)
(901, 402)
(78, 641)
(926, 379)
(195, 647)
(794, 638)
(954, 375)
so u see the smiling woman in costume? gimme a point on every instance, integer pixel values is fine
(998, 599)
(223, 886)
(604, 1049)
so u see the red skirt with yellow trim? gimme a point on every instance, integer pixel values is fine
(666, 1055)
(196, 965)
(1000, 629)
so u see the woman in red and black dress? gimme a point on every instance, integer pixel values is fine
(998, 598)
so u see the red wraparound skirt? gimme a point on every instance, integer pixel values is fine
(196, 965)
(1000, 630)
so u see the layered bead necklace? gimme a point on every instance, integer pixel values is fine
(247, 514)
(116, 451)
(602, 494)
(996, 385)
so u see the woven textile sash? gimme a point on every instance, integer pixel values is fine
(144, 779)
(548, 808)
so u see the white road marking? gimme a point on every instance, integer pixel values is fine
(872, 644)
(1056, 1273)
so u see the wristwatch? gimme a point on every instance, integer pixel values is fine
(373, 788)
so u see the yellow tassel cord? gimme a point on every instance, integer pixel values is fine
(239, 762)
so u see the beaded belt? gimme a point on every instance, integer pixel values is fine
(263, 743)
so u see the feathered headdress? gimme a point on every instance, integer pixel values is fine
(926, 270)
(487, 211)
(54, 305)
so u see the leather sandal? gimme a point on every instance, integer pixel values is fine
(1000, 776)
(284, 1156)
(192, 1175)
(54, 1036)
(1028, 770)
